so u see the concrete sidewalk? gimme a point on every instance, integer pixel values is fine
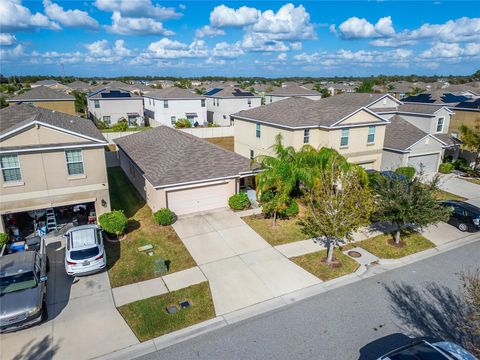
(455, 185)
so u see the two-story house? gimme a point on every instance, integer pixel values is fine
(346, 123)
(166, 106)
(223, 102)
(47, 98)
(49, 161)
(112, 104)
(286, 92)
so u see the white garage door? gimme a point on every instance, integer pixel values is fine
(427, 163)
(198, 199)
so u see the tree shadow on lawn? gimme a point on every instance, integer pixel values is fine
(434, 312)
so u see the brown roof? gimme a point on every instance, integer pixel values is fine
(293, 91)
(400, 134)
(173, 93)
(304, 112)
(41, 93)
(167, 157)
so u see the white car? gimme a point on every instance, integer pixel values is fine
(85, 253)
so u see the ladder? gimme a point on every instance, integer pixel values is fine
(51, 220)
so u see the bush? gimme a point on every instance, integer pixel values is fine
(121, 125)
(291, 210)
(183, 124)
(211, 124)
(114, 222)
(407, 171)
(101, 125)
(460, 163)
(164, 217)
(3, 239)
(239, 201)
(445, 168)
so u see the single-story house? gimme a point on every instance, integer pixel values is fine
(175, 170)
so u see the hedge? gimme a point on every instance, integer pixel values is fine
(3, 239)
(164, 217)
(445, 168)
(291, 210)
(407, 171)
(114, 222)
(239, 201)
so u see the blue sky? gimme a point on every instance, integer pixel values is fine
(231, 38)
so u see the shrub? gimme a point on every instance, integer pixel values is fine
(164, 217)
(211, 124)
(114, 222)
(407, 171)
(460, 163)
(101, 125)
(445, 168)
(121, 125)
(183, 123)
(239, 201)
(291, 210)
(3, 239)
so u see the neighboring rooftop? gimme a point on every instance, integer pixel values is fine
(229, 92)
(400, 134)
(41, 93)
(14, 117)
(113, 93)
(448, 140)
(167, 156)
(293, 91)
(80, 85)
(173, 93)
(300, 112)
(45, 83)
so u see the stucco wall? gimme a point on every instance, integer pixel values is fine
(177, 108)
(227, 106)
(65, 106)
(392, 160)
(115, 108)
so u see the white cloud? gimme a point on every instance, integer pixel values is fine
(172, 49)
(208, 31)
(99, 48)
(282, 57)
(69, 18)
(227, 50)
(459, 30)
(391, 42)
(136, 26)
(7, 54)
(452, 51)
(120, 49)
(7, 39)
(223, 16)
(356, 28)
(261, 42)
(16, 17)
(138, 9)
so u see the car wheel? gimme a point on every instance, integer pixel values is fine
(462, 227)
(44, 311)
(47, 267)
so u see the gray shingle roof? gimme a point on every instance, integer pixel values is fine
(42, 93)
(233, 92)
(448, 140)
(98, 94)
(173, 93)
(46, 82)
(303, 112)
(400, 134)
(80, 85)
(419, 108)
(167, 156)
(293, 91)
(19, 115)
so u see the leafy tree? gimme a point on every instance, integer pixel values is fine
(471, 140)
(339, 200)
(114, 222)
(407, 201)
(471, 297)
(415, 91)
(80, 102)
(200, 91)
(3, 102)
(365, 87)
(184, 84)
(390, 87)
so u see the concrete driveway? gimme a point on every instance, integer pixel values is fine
(457, 186)
(241, 267)
(83, 321)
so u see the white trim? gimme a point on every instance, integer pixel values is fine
(358, 110)
(23, 150)
(38, 100)
(195, 182)
(443, 125)
(381, 98)
(396, 150)
(186, 187)
(17, 182)
(428, 135)
(405, 113)
(168, 98)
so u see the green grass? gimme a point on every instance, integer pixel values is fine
(445, 195)
(313, 264)
(148, 318)
(382, 247)
(125, 263)
(472, 180)
(224, 142)
(286, 231)
(133, 128)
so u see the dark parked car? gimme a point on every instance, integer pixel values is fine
(423, 350)
(465, 216)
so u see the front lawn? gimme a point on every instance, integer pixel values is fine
(125, 263)
(149, 319)
(314, 263)
(472, 180)
(286, 231)
(382, 245)
(445, 195)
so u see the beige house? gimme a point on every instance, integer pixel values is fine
(47, 98)
(347, 123)
(49, 161)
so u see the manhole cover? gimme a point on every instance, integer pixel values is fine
(354, 254)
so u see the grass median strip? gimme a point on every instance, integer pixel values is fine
(315, 264)
(149, 319)
(445, 195)
(382, 245)
(286, 230)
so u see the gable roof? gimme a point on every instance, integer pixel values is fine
(293, 91)
(401, 135)
(173, 93)
(448, 140)
(79, 85)
(46, 82)
(42, 93)
(22, 115)
(229, 92)
(298, 112)
(170, 157)
(113, 93)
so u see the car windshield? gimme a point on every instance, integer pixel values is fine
(84, 253)
(419, 352)
(12, 283)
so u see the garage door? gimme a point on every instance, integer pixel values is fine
(428, 163)
(198, 199)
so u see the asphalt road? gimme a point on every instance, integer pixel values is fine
(358, 321)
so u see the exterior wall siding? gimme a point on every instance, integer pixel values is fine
(177, 108)
(115, 108)
(228, 106)
(65, 106)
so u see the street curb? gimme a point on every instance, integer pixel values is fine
(233, 317)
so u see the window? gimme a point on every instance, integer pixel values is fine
(258, 130)
(252, 155)
(371, 135)
(74, 162)
(173, 120)
(218, 102)
(344, 138)
(306, 136)
(106, 120)
(249, 102)
(96, 103)
(440, 124)
(271, 98)
(10, 168)
(165, 104)
(203, 102)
